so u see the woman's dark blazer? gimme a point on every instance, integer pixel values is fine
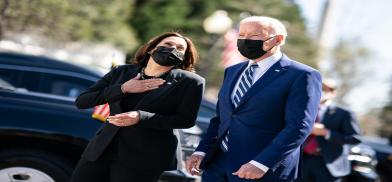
(150, 144)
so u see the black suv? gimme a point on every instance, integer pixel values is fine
(42, 133)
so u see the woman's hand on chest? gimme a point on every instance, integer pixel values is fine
(125, 119)
(135, 85)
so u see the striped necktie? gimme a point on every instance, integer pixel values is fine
(244, 84)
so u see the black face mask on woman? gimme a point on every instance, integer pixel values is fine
(166, 56)
(252, 49)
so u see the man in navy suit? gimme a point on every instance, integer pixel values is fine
(266, 109)
(326, 150)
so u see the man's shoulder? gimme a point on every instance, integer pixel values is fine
(340, 109)
(126, 67)
(298, 66)
(123, 69)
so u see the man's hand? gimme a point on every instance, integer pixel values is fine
(125, 119)
(193, 164)
(249, 171)
(319, 129)
(135, 85)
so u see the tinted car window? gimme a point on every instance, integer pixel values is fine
(9, 76)
(21, 79)
(63, 85)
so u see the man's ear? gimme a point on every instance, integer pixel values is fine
(279, 39)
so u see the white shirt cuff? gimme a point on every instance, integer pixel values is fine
(260, 166)
(199, 153)
(328, 135)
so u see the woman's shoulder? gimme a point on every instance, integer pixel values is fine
(183, 74)
(125, 68)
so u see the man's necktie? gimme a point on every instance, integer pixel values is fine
(244, 84)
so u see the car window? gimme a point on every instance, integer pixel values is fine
(9, 76)
(63, 85)
(21, 79)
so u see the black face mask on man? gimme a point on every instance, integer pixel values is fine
(252, 49)
(166, 56)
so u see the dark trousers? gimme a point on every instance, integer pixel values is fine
(106, 170)
(315, 170)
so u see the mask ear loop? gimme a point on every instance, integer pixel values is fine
(268, 40)
(152, 51)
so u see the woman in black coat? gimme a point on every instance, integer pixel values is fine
(149, 98)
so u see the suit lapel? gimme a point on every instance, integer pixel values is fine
(232, 80)
(328, 114)
(131, 72)
(154, 95)
(273, 72)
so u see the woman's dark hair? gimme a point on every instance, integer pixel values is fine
(190, 58)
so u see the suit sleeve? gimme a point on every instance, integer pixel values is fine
(350, 133)
(100, 93)
(212, 132)
(186, 113)
(300, 114)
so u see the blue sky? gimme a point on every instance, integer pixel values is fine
(368, 22)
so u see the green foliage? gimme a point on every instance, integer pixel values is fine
(128, 23)
(64, 20)
(153, 17)
(298, 45)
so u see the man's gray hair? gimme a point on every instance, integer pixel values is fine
(274, 23)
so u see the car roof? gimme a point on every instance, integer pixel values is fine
(45, 62)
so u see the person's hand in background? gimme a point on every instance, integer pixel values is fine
(319, 129)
